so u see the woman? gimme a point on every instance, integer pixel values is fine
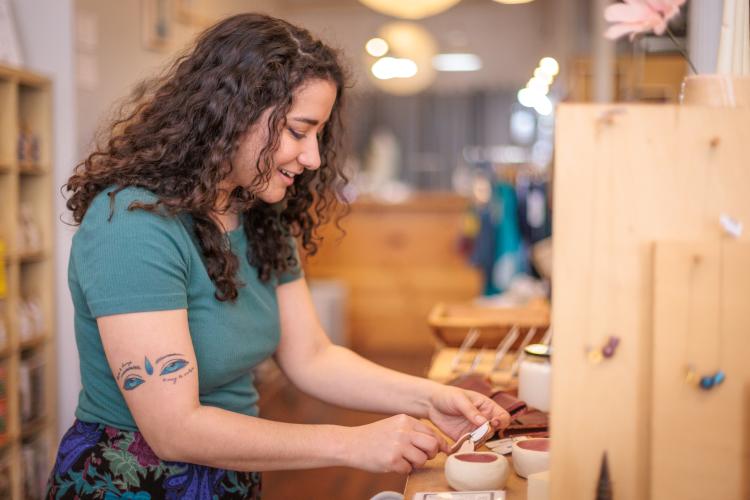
(184, 275)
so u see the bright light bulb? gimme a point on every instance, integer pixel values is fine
(457, 62)
(549, 66)
(543, 106)
(527, 97)
(540, 73)
(391, 67)
(376, 47)
(538, 85)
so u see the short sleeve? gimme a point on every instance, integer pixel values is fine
(130, 260)
(295, 272)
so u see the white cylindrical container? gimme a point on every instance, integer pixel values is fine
(535, 376)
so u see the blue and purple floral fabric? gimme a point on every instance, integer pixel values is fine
(95, 461)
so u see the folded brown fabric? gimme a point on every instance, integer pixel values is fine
(524, 419)
(473, 382)
(509, 402)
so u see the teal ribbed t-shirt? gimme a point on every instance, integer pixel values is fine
(125, 261)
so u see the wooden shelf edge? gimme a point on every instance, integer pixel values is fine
(24, 77)
(31, 344)
(29, 257)
(33, 427)
(33, 169)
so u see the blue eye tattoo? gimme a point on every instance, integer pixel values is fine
(132, 382)
(173, 366)
(149, 368)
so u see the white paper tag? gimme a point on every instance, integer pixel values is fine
(732, 226)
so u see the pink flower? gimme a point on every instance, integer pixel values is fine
(142, 451)
(639, 16)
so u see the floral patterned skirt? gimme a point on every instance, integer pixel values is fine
(96, 461)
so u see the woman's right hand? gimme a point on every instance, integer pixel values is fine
(395, 444)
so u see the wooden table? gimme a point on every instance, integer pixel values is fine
(431, 478)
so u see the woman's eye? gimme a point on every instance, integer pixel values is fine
(295, 134)
(173, 366)
(131, 383)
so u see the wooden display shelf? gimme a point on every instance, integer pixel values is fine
(441, 369)
(32, 169)
(31, 344)
(30, 257)
(26, 103)
(451, 323)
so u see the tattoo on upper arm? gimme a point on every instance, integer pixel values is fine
(131, 375)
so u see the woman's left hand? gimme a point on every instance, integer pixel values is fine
(457, 411)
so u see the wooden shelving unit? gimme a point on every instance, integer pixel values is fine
(27, 352)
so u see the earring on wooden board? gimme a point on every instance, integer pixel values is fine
(732, 228)
(608, 350)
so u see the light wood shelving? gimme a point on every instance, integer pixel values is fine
(27, 353)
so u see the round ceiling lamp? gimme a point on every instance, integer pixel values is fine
(410, 9)
(407, 66)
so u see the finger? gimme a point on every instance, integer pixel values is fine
(503, 418)
(415, 456)
(491, 411)
(469, 410)
(427, 443)
(443, 445)
(401, 466)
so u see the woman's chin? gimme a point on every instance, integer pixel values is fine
(272, 196)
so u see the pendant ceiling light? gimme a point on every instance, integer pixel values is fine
(406, 65)
(410, 9)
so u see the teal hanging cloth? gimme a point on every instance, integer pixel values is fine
(509, 259)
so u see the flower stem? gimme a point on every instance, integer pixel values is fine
(682, 51)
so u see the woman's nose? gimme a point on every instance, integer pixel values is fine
(310, 155)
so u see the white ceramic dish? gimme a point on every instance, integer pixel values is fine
(478, 470)
(531, 456)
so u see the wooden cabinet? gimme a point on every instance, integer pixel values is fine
(656, 78)
(397, 261)
(27, 361)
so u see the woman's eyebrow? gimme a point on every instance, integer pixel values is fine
(309, 121)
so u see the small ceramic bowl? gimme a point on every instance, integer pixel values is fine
(478, 470)
(531, 456)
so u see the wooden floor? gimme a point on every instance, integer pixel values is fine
(290, 405)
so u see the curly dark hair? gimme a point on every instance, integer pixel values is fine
(176, 135)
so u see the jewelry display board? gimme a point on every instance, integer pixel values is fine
(701, 318)
(627, 177)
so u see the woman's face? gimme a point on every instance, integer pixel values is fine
(298, 142)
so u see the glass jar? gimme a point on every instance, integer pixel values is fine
(535, 376)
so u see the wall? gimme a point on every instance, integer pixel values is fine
(121, 60)
(705, 28)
